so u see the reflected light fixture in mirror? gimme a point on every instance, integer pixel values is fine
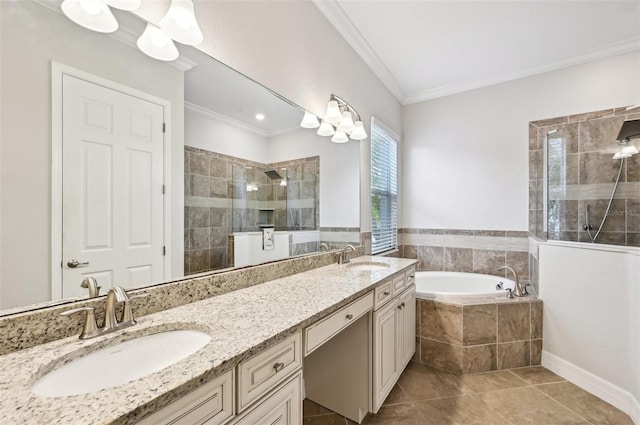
(326, 129)
(340, 137)
(180, 23)
(309, 120)
(155, 43)
(337, 122)
(91, 14)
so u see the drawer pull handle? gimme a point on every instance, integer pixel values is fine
(402, 304)
(386, 292)
(349, 316)
(400, 307)
(278, 366)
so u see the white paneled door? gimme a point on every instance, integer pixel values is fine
(112, 188)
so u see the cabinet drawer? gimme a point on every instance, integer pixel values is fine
(318, 333)
(410, 276)
(263, 371)
(282, 407)
(398, 283)
(382, 293)
(211, 404)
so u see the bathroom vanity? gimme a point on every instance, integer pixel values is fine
(339, 335)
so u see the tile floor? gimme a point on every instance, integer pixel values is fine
(525, 396)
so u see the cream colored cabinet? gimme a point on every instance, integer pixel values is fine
(211, 404)
(393, 340)
(283, 406)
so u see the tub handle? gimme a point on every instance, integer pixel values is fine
(509, 293)
(499, 286)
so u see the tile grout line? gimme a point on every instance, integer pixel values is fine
(560, 404)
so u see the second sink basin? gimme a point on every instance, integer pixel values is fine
(120, 363)
(368, 266)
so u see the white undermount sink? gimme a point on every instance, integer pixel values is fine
(120, 363)
(368, 266)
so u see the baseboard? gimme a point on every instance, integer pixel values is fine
(612, 394)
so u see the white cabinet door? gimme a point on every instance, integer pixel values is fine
(407, 327)
(282, 407)
(385, 352)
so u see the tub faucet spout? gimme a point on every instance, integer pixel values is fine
(517, 290)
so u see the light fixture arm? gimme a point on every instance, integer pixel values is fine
(343, 105)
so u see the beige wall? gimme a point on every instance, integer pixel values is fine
(25, 138)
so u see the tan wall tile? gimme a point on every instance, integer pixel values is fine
(441, 322)
(441, 355)
(514, 354)
(513, 322)
(479, 358)
(536, 319)
(480, 324)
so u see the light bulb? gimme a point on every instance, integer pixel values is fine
(153, 42)
(358, 132)
(346, 124)
(333, 115)
(339, 137)
(91, 14)
(309, 120)
(180, 23)
(325, 129)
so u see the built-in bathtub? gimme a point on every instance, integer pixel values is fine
(433, 285)
(466, 325)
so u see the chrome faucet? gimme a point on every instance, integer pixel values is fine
(517, 290)
(91, 284)
(342, 258)
(111, 323)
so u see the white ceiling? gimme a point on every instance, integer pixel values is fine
(427, 49)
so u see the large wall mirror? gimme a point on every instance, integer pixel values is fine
(135, 171)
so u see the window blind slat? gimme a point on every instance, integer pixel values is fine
(384, 190)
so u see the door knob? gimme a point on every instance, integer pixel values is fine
(75, 263)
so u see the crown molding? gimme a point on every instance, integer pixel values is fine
(332, 10)
(124, 35)
(614, 49)
(192, 107)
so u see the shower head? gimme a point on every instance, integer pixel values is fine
(273, 174)
(629, 130)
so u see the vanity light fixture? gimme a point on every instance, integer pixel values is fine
(338, 121)
(340, 137)
(260, 117)
(91, 14)
(326, 129)
(309, 120)
(155, 43)
(180, 23)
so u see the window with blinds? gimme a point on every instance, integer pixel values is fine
(384, 189)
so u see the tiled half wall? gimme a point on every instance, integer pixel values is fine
(480, 337)
(473, 251)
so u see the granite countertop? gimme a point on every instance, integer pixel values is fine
(240, 323)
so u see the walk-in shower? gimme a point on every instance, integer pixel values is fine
(593, 179)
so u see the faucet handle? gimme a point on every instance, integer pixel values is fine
(509, 293)
(90, 327)
(127, 312)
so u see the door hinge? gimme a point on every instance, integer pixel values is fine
(164, 250)
(164, 189)
(164, 127)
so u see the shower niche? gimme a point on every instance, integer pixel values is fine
(584, 184)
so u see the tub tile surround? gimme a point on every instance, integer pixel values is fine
(241, 323)
(473, 251)
(479, 335)
(31, 328)
(581, 173)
